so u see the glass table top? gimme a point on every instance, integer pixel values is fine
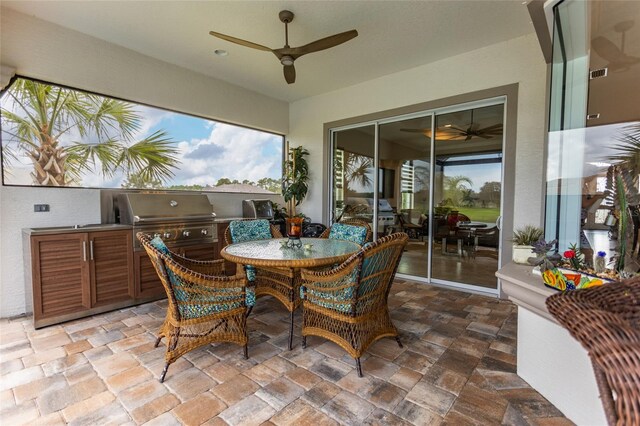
(272, 252)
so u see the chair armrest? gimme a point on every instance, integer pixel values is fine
(325, 233)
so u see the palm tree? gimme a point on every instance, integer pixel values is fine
(357, 170)
(37, 116)
(454, 187)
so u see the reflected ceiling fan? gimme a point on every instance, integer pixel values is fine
(450, 132)
(287, 55)
(607, 50)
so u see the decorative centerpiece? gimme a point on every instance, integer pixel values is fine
(570, 271)
(294, 231)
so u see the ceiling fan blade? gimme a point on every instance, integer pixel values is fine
(468, 137)
(290, 73)
(455, 128)
(240, 41)
(495, 127)
(484, 136)
(324, 43)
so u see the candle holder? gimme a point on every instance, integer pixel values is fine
(294, 232)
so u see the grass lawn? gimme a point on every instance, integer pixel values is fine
(478, 214)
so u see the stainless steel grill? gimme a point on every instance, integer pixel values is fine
(179, 219)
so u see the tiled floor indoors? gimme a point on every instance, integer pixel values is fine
(457, 367)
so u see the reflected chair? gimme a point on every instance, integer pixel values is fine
(205, 306)
(354, 230)
(281, 283)
(411, 229)
(348, 304)
(606, 321)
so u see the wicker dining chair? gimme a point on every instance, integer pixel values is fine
(281, 283)
(205, 306)
(348, 304)
(350, 230)
(606, 321)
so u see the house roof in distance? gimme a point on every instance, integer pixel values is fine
(239, 187)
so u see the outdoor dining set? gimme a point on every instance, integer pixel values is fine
(341, 280)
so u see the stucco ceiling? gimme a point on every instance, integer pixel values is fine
(393, 35)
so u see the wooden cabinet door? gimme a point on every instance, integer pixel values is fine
(60, 268)
(147, 284)
(111, 261)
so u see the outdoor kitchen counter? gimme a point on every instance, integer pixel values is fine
(548, 358)
(96, 227)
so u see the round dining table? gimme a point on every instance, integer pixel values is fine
(274, 253)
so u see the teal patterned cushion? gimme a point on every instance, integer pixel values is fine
(341, 297)
(203, 308)
(195, 310)
(249, 230)
(355, 234)
(159, 245)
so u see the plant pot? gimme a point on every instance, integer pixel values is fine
(522, 253)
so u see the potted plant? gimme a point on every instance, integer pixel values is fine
(295, 186)
(523, 241)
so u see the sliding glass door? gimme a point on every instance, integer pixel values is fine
(436, 176)
(467, 196)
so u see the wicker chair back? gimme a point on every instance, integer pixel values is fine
(352, 222)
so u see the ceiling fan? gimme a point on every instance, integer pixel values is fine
(449, 132)
(287, 54)
(607, 50)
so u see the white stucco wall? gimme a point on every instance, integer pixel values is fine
(515, 61)
(42, 50)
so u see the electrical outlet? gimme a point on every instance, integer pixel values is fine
(41, 207)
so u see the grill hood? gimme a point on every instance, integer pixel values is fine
(138, 208)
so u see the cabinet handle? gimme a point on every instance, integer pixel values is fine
(91, 249)
(84, 251)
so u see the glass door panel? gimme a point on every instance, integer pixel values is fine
(353, 174)
(467, 193)
(404, 170)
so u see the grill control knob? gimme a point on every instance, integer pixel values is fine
(185, 233)
(167, 234)
(204, 232)
(156, 235)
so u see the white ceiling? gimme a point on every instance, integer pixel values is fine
(393, 35)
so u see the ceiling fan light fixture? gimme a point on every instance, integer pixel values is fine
(286, 60)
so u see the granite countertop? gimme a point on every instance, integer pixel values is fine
(525, 289)
(94, 227)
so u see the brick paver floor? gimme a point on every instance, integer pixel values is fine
(457, 367)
